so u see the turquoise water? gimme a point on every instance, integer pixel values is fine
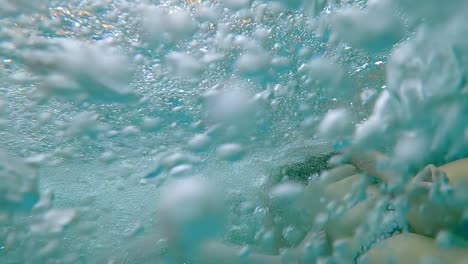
(126, 125)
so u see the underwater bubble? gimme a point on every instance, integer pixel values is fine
(324, 71)
(51, 248)
(286, 193)
(191, 212)
(19, 188)
(236, 4)
(54, 220)
(262, 34)
(230, 152)
(164, 24)
(108, 157)
(207, 13)
(336, 124)
(290, 4)
(431, 12)
(151, 123)
(38, 160)
(375, 29)
(84, 123)
(71, 67)
(292, 235)
(412, 146)
(372, 132)
(156, 171)
(136, 230)
(244, 253)
(266, 239)
(232, 103)
(171, 160)
(17, 7)
(199, 142)
(430, 260)
(309, 125)
(253, 62)
(45, 203)
(414, 60)
(181, 170)
(180, 21)
(412, 96)
(445, 239)
(278, 62)
(341, 249)
(184, 65)
(286, 255)
(130, 130)
(309, 253)
(368, 95)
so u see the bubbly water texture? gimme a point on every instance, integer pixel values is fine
(161, 119)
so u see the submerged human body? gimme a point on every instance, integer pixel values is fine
(402, 234)
(333, 213)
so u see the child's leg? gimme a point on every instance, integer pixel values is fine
(412, 248)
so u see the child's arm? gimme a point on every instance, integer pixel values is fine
(412, 248)
(457, 171)
(427, 215)
(432, 194)
(369, 161)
